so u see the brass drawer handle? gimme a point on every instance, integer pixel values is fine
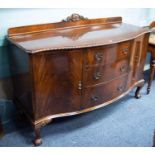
(94, 98)
(120, 88)
(97, 76)
(125, 51)
(123, 69)
(98, 56)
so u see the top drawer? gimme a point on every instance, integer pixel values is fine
(107, 54)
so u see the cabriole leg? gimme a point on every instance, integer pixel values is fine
(37, 141)
(37, 129)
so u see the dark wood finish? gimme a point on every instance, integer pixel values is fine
(63, 88)
(100, 74)
(75, 66)
(50, 26)
(71, 35)
(105, 55)
(151, 49)
(95, 95)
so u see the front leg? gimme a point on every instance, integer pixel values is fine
(37, 130)
(37, 140)
(137, 93)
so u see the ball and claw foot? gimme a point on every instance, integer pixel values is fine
(37, 142)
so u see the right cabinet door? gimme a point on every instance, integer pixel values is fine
(139, 56)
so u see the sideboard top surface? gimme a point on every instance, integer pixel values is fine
(73, 34)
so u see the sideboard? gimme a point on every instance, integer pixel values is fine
(74, 66)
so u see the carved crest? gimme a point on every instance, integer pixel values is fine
(74, 17)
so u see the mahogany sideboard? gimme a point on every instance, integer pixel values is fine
(75, 66)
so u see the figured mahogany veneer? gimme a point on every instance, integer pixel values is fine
(75, 66)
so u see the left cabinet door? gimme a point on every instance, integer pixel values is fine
(57, 77)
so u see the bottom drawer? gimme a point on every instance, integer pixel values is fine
(97, 95)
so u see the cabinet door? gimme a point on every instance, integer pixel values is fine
(139, 57)
(57, 82)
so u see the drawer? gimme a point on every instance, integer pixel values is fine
(101, 74)
(107, 54)
(97, 95)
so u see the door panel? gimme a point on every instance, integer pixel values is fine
(57, 77)
(140, 50)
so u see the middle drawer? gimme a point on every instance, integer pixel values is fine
(102, 74)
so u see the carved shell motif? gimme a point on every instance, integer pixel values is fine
(74, 17)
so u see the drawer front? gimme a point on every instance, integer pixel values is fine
(97, 95)
(107, 54)
(101, 74)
